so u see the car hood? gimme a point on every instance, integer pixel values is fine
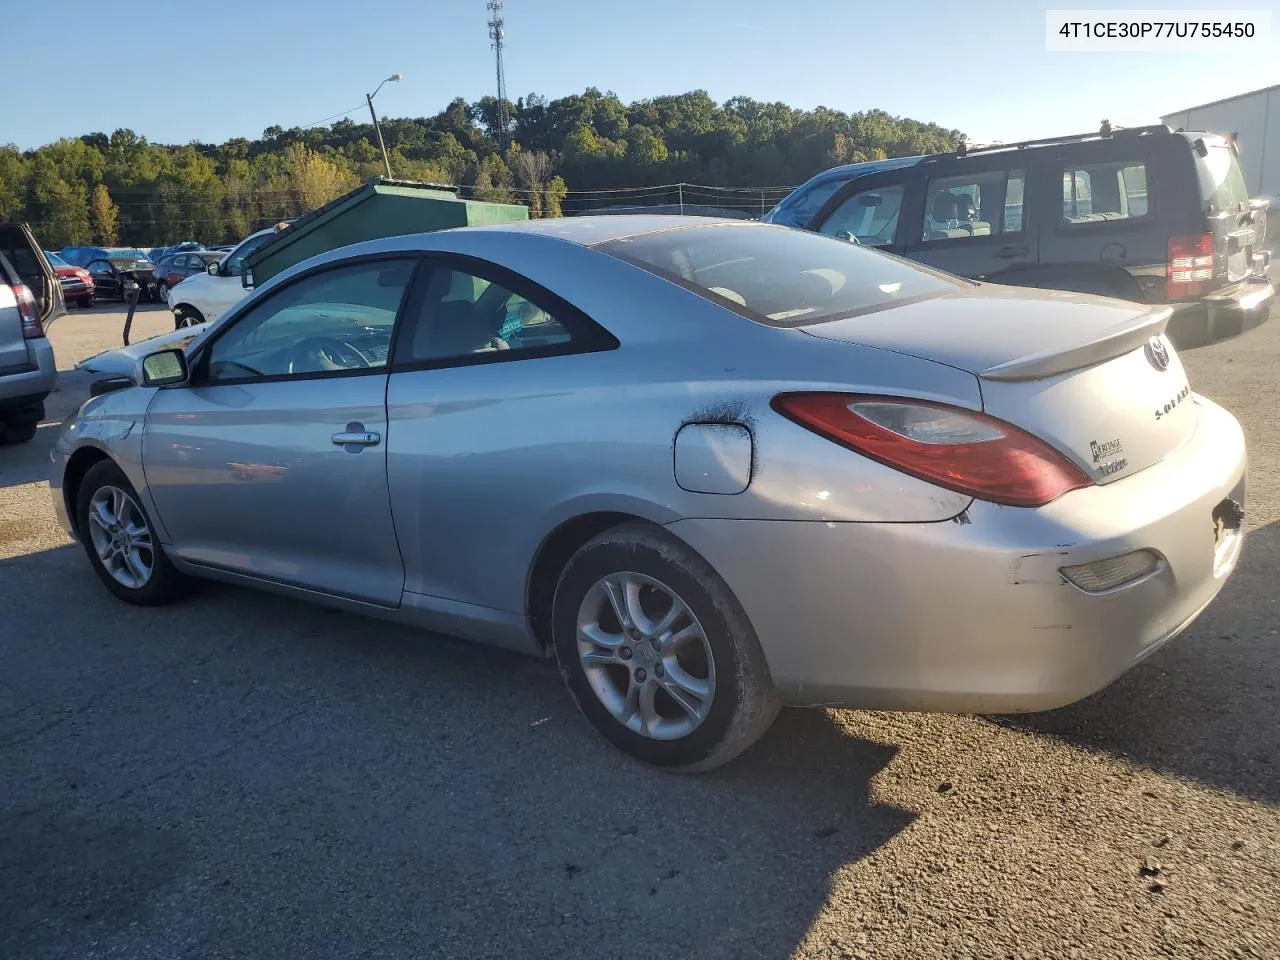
(127, 361)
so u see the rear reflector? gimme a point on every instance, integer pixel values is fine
(958, 449)
(1103, 575)
(1190, 271)
(31, 326)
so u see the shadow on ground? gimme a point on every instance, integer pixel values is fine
(1207, 706)
(247, 775)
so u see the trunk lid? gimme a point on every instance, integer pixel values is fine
(1094, 377)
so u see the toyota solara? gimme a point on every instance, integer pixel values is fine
(711, 467)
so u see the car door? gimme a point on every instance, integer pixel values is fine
(106, 282)
(18, 245)
(973, 220)
(483, 357)
(272, 460)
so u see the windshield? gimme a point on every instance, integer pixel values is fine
(799, 207)
(780, 277)
(1221, 179)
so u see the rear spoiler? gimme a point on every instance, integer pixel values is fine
(1121, 339)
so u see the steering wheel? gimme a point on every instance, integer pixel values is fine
(314, 354)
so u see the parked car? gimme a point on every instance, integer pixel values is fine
(206, 296)
(1143, 214)
(113, 274)
(80, 256)
(710, 466)
(30, 298)
(173, 268)
(156, 254)
(77, 284)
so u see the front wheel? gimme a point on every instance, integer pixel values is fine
(87, 302)
(657, 652)
(121, 541)
(162, 292)
(185, 316)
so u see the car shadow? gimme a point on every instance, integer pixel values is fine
(1207, 705)
(273, 778)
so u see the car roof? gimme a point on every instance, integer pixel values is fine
(850, 170)
(589, 230)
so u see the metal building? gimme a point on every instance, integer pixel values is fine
(1255, 119)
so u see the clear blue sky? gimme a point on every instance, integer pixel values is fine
(177, 72)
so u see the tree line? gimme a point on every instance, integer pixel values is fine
(568, 155)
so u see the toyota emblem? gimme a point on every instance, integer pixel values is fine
(1158, 353)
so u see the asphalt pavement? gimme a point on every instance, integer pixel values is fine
(246, 776)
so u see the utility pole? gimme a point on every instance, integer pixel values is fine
(386, 162)
(497, 34)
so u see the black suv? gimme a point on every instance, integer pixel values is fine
(1144, 214)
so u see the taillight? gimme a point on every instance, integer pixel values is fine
(1190, 272)
(964, 451)
(31, 326)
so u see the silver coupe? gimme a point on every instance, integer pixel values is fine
(711, 467)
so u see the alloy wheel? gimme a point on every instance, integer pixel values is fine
(646, 656)
(121, 536)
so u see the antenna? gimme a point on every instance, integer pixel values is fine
(497, 34)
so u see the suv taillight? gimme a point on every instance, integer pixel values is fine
(31, 326)
(1190, 266)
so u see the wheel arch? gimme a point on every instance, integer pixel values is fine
(78, 464)
(553, 554)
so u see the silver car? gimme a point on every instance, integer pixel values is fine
(711, 467)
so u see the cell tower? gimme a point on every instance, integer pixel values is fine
(497, 35)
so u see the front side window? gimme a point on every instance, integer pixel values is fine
(868, 216)
(972, 205)
(463, 315)
(779, 277)
(336, 321)
(1097, 192)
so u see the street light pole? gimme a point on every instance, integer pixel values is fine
(377, 127)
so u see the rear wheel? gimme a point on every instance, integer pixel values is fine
(20, 425)
(162, 292)
(87, 302)
(120, 540)
(657, 653)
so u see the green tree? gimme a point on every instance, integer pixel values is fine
(553, 196)
(60, 209)
(104, 216)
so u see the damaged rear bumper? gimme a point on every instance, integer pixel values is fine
(974, 614)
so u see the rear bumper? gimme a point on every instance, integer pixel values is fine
(972, 614)
(32, 385)
(1222, 315)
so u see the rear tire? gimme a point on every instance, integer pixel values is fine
(113, 528)
(689, 694)
(88, 302)
(21, 425)
(162, 292)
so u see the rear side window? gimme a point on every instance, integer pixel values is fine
(1221, 180)
(1097, 192)
(973, 205)
(782, 278)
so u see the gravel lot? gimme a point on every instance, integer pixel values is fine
(246, 776)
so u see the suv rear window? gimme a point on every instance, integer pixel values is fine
(778, 276)
(1221, 179)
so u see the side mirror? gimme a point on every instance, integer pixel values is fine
(212, 269)
(164, 368)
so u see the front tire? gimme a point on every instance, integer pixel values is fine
(162, 292)
(121, 541)
(657, 653)
(186, 316)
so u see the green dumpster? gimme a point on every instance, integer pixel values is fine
(378, 208)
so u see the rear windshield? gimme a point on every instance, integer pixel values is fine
(778, 276)
(1221, 180)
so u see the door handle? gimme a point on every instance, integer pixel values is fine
(360, 438)
(1008, 253)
